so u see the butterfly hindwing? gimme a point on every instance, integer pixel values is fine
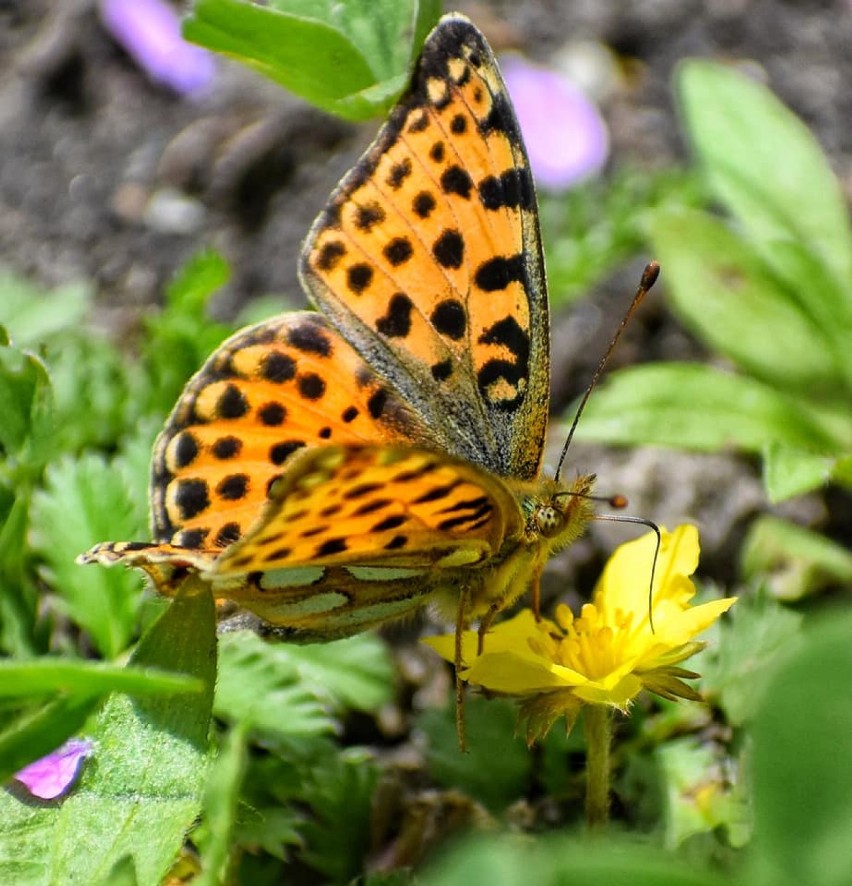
(378, 506)
(428, 259)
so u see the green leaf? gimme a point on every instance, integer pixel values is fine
(691, 406)
(25, 398)
(513, 860)
(726, 294)
(789, 471)
(802, 751)
(697, 798)
(221, 798)
(764, 164)
(792, 561)
(754, 639)
(340, 794)
(34, 315)
(310, 58)
(145, 789)
(355, 673)
(182, 337)
(85, 502)
(259, 684)
(490, 731)
(351, 59)
(47, 676)
(141, 791)
(824, 298)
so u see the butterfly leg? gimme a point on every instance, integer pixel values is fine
(461, 621)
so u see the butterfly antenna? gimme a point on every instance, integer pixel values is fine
(649, 278)
(641, 521)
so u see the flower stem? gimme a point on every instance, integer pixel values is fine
(597, 720)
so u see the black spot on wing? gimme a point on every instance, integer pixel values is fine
(226, 448)
(511, 189)
(396, 323)
(272, 414)
(448, 249)
(185, 450)
(457, 181)
(359, 277)
(449, 318)
(498, 272)
(280, 452)
(330, 254)
(232, 403)
(368, 215)
(423, 204)
(192, 498)
(277, 367)
(310, 339)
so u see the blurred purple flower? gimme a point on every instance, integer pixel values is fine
(149, 31)
(49, 777)
(565, 135)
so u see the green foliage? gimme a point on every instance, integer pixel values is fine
(142, 795)
(801, 750)
(597, 225)
(489, 731)
(769, 289)
(255, 776)
(350, 59)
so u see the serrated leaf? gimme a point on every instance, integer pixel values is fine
(84, 502)
(691, 406)
(764, 164)
(794, 562)
(356, 673)
(801, 749)
(726, 294)
(340, 793)
(259, 684)
(181, 337)
(754, 640)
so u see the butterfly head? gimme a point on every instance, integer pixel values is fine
(560, 514)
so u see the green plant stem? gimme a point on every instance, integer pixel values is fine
(597, 723)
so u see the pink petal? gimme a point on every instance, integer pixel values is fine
(565, 135)
(149, 31)
(51, 776)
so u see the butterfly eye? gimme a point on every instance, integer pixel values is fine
(549, 520)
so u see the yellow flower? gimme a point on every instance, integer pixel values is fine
(613, 650)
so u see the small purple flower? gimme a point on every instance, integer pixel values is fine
(149, 31)
(51, 776)
(565, 135)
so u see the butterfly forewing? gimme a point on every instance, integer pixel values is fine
(428, 259)
(264, 395)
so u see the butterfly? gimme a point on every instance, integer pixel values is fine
(332, 470)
